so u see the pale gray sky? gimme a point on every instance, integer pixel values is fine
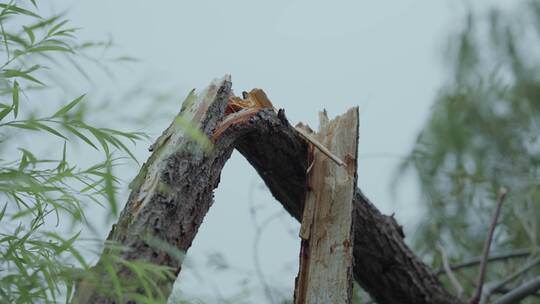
(383, 56)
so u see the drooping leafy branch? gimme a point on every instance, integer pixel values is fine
(41, 260)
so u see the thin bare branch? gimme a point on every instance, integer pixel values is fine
(500, 284)
(320, 147)
(503, 290)
(268, 292)
(502, 256)
(521, 292)
(483, 265)
(446, 265)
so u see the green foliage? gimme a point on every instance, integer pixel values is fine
(40, 195)
(142, 285)
(483, 134)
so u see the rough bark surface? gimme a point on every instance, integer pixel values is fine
(172, 194)
(383, 264)
(170, 205)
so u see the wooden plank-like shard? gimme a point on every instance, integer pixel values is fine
(326, 257)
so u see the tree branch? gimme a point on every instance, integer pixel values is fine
(521, 292)
(175, 192)
(519, 253)
(483, 265)
(383, 264)
(502, 291)
(449, 273)
(499, 284)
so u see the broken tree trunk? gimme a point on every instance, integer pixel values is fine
(174, 190)
(326, 256)
(172, 193)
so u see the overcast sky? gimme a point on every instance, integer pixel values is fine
(383, 56)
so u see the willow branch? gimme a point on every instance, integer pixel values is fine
(483, 265)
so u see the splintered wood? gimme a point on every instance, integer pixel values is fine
(256, 98)
(240, 109)
(326, 256)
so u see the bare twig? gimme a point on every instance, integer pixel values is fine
(259, 229)
(449, 273)
(321, 147)
(269, 293)
(503, 290)
(521, 292)
(502, 256)
(499, 284)
(483, 265)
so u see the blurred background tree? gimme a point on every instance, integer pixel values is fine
(483, 134)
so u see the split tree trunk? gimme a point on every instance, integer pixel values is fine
(326, 255)
(174, 191)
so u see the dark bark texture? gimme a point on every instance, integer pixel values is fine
(383, 264)
(174, 209)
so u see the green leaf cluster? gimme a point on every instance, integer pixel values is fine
(41, 260)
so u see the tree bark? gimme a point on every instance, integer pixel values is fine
(175, 190)
(384, 265)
